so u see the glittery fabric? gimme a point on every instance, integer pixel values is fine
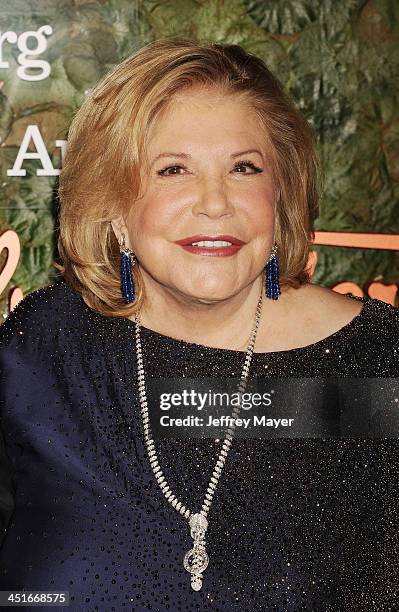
(295, 524)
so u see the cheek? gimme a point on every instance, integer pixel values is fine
(260, 212)
(155, 217)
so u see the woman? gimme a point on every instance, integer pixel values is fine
(188, 196)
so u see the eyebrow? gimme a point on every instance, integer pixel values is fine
(186, 156)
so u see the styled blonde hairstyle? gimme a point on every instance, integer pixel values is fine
(100, 178)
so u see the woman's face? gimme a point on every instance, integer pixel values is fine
(204, 179)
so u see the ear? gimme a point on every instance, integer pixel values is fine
(119, 226)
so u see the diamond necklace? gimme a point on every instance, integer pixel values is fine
(195, 560)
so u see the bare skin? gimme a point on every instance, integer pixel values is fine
(205, 299)
(305, 315)
(299, 317)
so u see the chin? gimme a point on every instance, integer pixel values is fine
(211, 296)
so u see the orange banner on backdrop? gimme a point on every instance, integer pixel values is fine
(9, 240)
(358, 240)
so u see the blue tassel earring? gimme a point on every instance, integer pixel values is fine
(272, 284)
(128, 261)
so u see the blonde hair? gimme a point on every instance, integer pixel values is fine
(100, 177)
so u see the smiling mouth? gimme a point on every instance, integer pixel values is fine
(212, 243)
(209, 241)
(212, 248)
(222, 245)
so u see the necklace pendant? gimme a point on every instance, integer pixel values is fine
(196, 560)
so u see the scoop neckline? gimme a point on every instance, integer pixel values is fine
(211, 349)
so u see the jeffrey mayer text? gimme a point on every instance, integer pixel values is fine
(224, 421)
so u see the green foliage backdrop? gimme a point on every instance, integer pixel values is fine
(338, 60)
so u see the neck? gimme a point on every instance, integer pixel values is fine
(221, 323)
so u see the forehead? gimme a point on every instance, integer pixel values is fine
(204, 98)
(203, 117)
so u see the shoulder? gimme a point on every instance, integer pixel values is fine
(369, 327)
(50, 317)
(311, 313)
(382, 320)
(376, 339)
(38, 312)
(56, 319)
(327, 306)
(42, 301)
(373, 334)
(334, 310)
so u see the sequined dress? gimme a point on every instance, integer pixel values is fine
(295, 524)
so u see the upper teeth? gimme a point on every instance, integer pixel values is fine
(212, 243)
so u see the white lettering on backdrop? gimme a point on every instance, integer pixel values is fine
(23, 60)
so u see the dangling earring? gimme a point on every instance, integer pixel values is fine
(272, 284)
(128, 261)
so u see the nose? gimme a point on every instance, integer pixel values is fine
(213, 200)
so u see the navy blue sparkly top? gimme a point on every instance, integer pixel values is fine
(295, 524)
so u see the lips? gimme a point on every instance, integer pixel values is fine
(199, 238)
(211, 251)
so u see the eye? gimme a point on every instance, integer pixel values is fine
(250, 165)
(163, 171)
(239, 164)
